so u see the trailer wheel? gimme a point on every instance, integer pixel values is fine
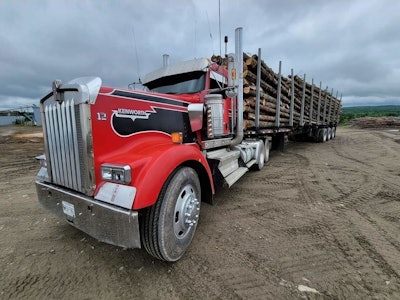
(316, 135)
(324, 135)
(320, 135)
(168, 226)
(266, 148)
(260, 156)
(329, 133)
(333, 132)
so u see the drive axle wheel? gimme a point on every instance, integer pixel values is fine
(168, 226)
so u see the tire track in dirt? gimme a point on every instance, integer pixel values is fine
(240, 272)
(311, 258)
(379, 245)
(380, 238)
(392, 139)
(369, 161)
(372, 271)
(320, 173)
(317, 256)
(248, 272)
(364, 194)
(333, 234)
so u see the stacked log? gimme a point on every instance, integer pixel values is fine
(376, 122)
(329, 105)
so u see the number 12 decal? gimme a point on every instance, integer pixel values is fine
(101, 116)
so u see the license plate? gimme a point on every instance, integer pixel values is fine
(68, 209)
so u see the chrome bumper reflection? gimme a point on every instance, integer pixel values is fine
(107, 223)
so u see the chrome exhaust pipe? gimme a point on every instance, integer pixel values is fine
(239, 81)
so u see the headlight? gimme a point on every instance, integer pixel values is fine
(116, 173)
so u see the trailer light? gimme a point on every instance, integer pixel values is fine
(116, 173)
(177, 137)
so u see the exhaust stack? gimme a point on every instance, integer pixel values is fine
(239, 85)
(165, 60)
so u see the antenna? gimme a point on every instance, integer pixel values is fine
(219, 22)
(195, 34)
(137, 56)
(209, 29)
(226, 46)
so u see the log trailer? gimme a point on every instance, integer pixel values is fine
(131, 168)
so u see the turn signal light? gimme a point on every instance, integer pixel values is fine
(233, 74)
(177, 137)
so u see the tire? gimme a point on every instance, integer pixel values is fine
(260, 156)
(333, 132)
(168, 227)
(316, 138)
(324, 135)
(329, 133)
(266, 153)
(320, 135)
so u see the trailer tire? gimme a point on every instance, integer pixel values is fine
(168, 227)
(333, 132)
(260, 156)
(324, 135)
(266, 149)
(329, 133)
(316, 136)
(320, 135)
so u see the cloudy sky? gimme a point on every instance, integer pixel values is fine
(352, 46)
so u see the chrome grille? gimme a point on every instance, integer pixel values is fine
(64, 144)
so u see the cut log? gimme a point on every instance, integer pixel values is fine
(329, 105)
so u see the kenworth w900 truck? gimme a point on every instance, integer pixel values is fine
(131, 168)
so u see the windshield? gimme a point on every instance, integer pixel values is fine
(187, 83)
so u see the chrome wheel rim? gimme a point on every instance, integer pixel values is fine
(187, 211)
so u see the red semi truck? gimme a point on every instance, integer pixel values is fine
(131, 168)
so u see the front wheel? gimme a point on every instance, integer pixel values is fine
(168, 226)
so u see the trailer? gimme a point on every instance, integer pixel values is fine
(132, 168)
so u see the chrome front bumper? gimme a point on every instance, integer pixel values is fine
(105, 222)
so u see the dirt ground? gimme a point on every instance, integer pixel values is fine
(320, 221)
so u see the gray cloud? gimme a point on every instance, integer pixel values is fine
(350, 46)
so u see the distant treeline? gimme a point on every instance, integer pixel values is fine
(350, 113)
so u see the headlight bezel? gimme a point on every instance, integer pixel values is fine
(116, 173)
